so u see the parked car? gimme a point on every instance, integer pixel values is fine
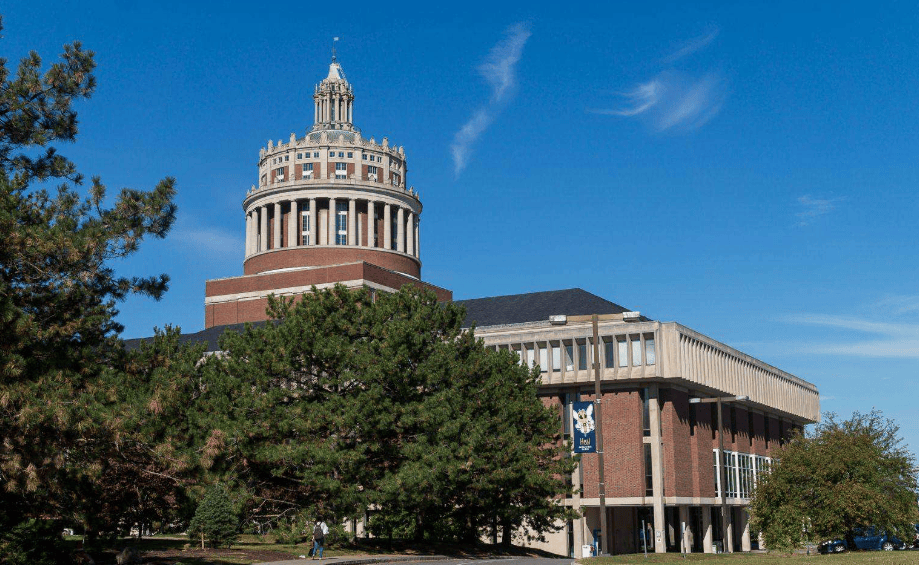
(869, 538)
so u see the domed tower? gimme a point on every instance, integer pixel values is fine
(327, 205)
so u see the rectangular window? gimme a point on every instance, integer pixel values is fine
(341, 170)
(307, 170)
(649, 472)
(732, 414)
(569, 357)
(623, 351)
(372, 169)
(636, 350)
(350, 155)
(287, 157)
(299, 155)
(717, 473)
(650, 355)
(543, 359)
(646, 411)
(341, 224)
(331, 153)
(364, 156)
(316, 155)
(531, 357)
(608, 360)
(556, 358)
(279, 173)
(515, 349)
(582, 356)
(341, 154)
(305, 234)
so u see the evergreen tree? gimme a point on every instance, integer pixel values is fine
(843, 475)
(350, 400)
(58, 334)
(214, 520)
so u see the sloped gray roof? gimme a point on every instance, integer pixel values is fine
(535, 307)
(490, 311)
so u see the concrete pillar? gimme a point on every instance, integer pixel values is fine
(686, 527)
(410, 235)
(352, 222)
(293, 225)
(314, 223)
(248, 234)
(400, 234)
(276, 236)
(263, 232)
(657, 475)
(333, 218)
(745, 530)
(371, 223)
(418, 237)
(387, 226)
(707, 545)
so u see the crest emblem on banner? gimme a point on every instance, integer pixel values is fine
(584, 424)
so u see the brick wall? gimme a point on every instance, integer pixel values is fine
(313, 256)
(677, 450)
(622, 444)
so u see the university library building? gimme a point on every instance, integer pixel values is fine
(335, 207)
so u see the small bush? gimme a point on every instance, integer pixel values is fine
(215, 518)
(34, 542)
(293, 530)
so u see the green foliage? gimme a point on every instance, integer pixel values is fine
(351, 401)
(58, 335)
(34, 542)
(215, 518)
(841, 476)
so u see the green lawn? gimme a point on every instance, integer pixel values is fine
(848, 558)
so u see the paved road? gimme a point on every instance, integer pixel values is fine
(437, 560)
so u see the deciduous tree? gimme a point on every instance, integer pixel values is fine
(843, 475)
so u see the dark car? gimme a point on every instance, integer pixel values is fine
(865, 538)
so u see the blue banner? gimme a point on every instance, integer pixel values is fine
(584, 427)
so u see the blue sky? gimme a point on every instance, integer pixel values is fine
(748, 171)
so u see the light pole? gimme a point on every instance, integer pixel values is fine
(722, 477)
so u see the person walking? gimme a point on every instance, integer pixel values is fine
(320, 530)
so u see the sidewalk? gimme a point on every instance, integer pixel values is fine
(360, 560)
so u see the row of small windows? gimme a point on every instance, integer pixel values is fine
(741, 472)
(341, 171)
(341, 227)
(340, 154)
(632, 350)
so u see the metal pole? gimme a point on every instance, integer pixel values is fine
(726, 546)
(604, 543)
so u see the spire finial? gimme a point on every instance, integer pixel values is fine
(333, 48)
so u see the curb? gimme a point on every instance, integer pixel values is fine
(391, 559)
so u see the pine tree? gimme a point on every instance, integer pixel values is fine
(215, 520)
(58, 334)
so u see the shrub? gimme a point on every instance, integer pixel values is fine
(34, 542)
(215, 518)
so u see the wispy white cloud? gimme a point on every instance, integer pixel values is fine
(207, 241)
(693, 45)
(899, 304)
(893, 339)
(674, 99)
(500, 71)
(812, 208)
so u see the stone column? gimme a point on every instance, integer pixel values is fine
(333, 212)
(314, 221)
(263, 224)
(418, 237)
(657, 477)
(352, 222)
(387, 226)
(744, 530)
(687, 533)
(707, 546)
(293, 223)
(276, 236)
(248, 234)
(400, 232)
(410, 234)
